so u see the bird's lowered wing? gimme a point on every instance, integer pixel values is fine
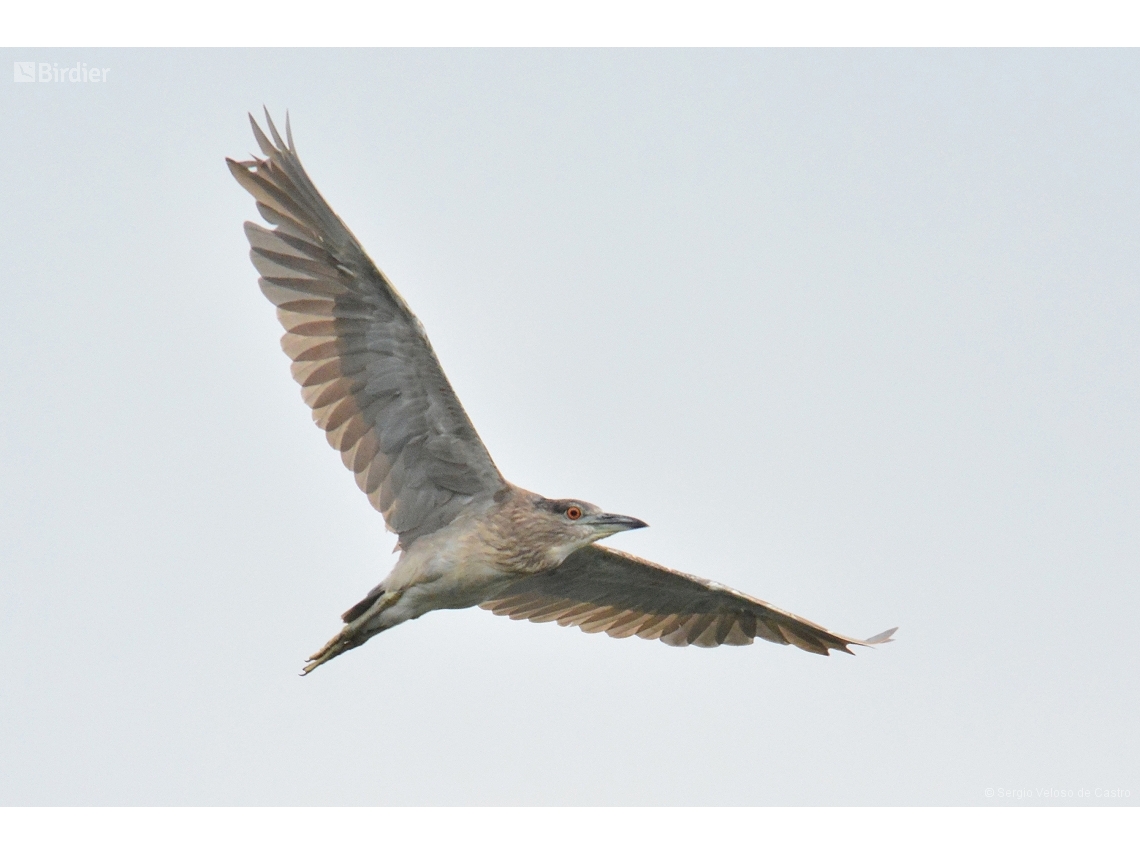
(602, 590)
(362, 358)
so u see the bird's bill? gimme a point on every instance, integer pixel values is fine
(607, 524)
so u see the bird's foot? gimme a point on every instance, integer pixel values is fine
(353, 635)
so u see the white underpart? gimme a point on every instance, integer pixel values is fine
(441, 571)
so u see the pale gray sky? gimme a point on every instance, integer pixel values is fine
(854, 331)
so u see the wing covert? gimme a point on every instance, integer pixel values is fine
(599, 589)
(364, 363)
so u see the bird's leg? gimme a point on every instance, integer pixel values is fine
(352, 635)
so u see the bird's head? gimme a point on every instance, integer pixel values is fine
(580, 523)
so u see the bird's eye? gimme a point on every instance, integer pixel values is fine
(573, 513)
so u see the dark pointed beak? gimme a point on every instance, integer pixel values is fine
(613, 523)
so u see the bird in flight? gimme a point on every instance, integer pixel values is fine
(467, 536)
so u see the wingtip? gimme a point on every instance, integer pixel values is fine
(238, 168)
(882, 637)
(262, 140)
(280, 143)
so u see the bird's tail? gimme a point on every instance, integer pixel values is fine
(360, 626)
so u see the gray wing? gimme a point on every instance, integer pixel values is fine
(602, 590)
(362, 358)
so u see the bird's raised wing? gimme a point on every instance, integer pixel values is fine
(362, 358)
(602, 590)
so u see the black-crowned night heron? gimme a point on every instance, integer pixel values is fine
(467, 536)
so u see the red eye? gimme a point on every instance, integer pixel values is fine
(573, 513)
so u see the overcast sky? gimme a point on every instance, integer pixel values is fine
(856, 332)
